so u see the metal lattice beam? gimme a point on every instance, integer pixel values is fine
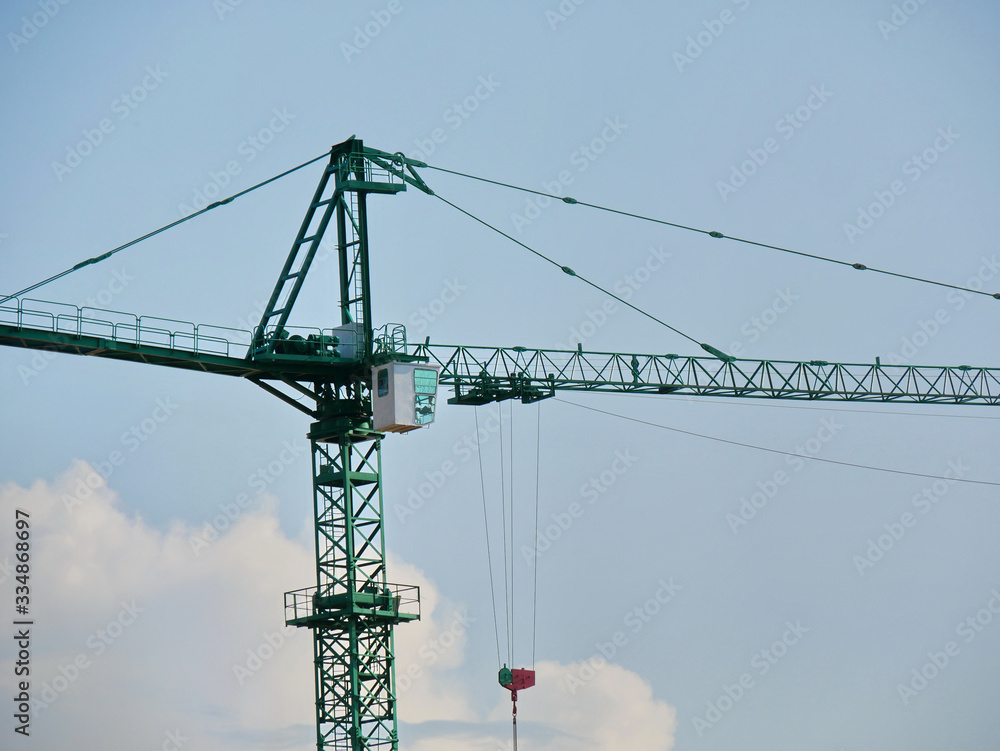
(483, 374)
(352, 609)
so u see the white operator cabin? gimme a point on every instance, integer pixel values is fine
(403, 396)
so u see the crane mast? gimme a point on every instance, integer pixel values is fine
(353, 608)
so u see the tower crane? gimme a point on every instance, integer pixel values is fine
(362, 382)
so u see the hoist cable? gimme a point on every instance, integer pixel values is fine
(104, 256)
(571, 272)
(512, 599)
(503, 510)
(534, 565)
(486, 520)
(779, 451)
(719, 235)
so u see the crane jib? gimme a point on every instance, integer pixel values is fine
(364, 382)
(479, 375)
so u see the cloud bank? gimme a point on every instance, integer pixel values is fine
(141, 643)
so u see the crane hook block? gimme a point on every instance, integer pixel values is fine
(516, 679)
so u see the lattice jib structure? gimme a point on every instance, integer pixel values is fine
(353, 609)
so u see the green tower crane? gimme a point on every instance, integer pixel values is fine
(365, 382)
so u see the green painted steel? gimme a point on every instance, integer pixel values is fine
(344, 197)
(484, 374)
(352, 609)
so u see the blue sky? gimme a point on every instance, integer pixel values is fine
(860, 131)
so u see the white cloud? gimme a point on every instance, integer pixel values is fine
(137, 637)
(615, 710)
(427, 653)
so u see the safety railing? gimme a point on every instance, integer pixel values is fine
(390, 600)
(372, 172)
(128, 328)
(390, 339)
